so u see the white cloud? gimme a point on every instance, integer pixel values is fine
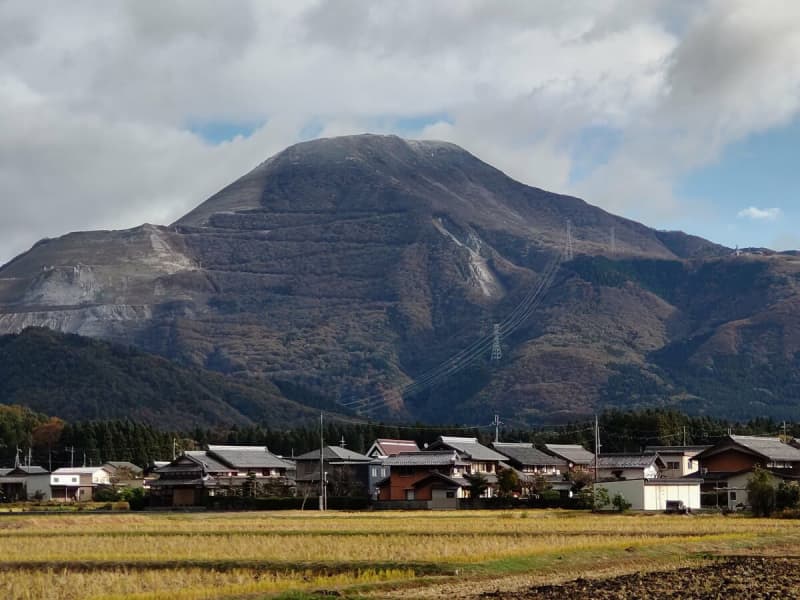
(760, 214)
(96, 97)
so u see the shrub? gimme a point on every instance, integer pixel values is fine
(620, 503)
(761, 493)
(600, 498)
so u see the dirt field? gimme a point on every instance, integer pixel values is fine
(741, 577)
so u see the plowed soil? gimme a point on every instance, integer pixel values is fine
(741, 577)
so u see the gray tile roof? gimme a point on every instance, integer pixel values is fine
(247, 457)
(628, 461)
(572, 452)
(771, 448)
(471, 447)
(424, 459)
(528, 455)
(123, 464)
(688, 450)
(210, 464)
(333, 453)
(32, 470)
(4, 472)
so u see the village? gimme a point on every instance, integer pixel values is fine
(451, 473)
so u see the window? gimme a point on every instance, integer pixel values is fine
(74, 480)
(691, 463)
(55, 479)
(733, 495)
(450, 494)
(673, 466)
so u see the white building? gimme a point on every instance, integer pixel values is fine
(78, 483)
(653, 494)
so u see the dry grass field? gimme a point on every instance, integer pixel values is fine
(398, 554)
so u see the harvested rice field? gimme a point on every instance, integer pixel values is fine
(466, 554)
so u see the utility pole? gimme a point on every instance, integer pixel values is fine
(16, 458)
(684, 435)
(321, 466)
(30, 458)
(785, 437)
(596, 446)
(497, 422)
(174, 448)
(71, 451)
(84, 458)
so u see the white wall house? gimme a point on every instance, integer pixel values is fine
(652, 494)
(78, 483)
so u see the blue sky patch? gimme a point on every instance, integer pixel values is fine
(217, 132)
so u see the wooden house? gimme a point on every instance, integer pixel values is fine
(221, 470)
(726, 466)
(25, 483)
(345, 472)
(435, 478)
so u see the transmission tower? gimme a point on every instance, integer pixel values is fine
(613, 242)
(569, 252)
(497, 351)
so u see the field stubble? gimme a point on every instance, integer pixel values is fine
(233, 555)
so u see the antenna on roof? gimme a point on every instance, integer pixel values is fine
(342, 443)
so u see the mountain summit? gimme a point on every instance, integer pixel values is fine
(370, 270)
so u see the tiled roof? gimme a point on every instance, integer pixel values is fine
(469, 446)
(771, 448)
(5, 472)
(332, 453)
(454, 481)
(424, 459)
(247, 457)
(526, 454)
(32, 470)
(122, 464)
(689, 450)
(210, 464)
(572, 452)
(627, 461)
(78, 470)
(391, 447)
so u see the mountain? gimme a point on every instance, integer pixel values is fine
(370, 270)
(78, 378)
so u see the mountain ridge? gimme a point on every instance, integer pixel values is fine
(353, 266)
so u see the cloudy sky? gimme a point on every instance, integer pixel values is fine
(683, 115)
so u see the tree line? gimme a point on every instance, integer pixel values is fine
(53, 442)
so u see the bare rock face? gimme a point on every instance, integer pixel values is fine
(354, 266)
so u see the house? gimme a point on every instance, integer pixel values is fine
(124, 473)
(578, 458)
(726, 466)
(382, 448)
(480, 458)
(629, 466)
(653, 494)
(78, 483)
(220, 471)
(25, 483)
(435, 478)
(680, 460)
(526, 458)
(345, 472)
